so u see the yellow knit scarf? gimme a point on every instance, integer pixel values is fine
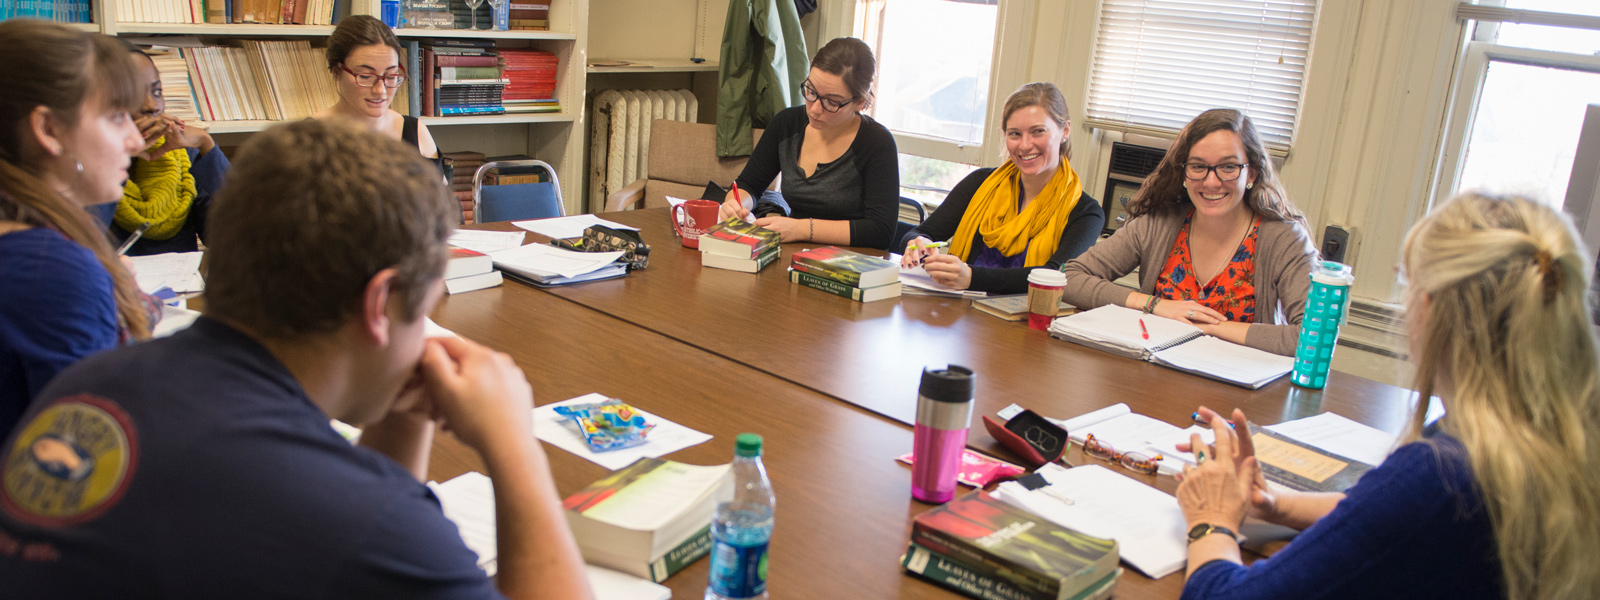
(158, 192)
(993, 213)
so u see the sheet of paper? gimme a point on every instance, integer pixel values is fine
(674, 200)
(434, 330)
(173, 320)
(1120, 325)
(1295, 459)
(1146, 522)
(917, 277)
(559, 431)
(177, 270)
(1227, 360)
(568, 227)
(1340, 436)
(1134, 432)
(548, 260)
(468, 501)
(486, 241)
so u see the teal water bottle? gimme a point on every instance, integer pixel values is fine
(1319, 330)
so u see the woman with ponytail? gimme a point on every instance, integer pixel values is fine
(1496, 499)
(171, 182)
(66, 132)
(1031, 212)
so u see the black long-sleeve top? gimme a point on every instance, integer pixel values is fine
(862, 186)
(1083, 227)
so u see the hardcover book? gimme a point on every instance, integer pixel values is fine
(847, 267)
(736, 238)
(1007, 543)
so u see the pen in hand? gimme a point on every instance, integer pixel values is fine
(137, 233)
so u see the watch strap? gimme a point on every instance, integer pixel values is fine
(1204, 529)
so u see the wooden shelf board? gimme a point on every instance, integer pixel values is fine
(216, 127)
(243, 30)
(490, 35)
(655, 65)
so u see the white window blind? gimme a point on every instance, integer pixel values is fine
(1158, 63)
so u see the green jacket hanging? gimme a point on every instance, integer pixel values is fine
(764, 59)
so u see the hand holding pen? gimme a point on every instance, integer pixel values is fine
(918, 250)
(733, 206)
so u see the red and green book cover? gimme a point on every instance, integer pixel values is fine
(847, 267)
(1007, 543)
(736, 238)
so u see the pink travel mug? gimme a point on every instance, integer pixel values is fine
(944, 411)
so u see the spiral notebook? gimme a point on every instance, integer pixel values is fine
(1171, 343)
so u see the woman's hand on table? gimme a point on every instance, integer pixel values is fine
(948, 271)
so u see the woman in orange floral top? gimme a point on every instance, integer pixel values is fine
(1215, 239)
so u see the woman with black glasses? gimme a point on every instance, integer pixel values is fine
(364, 59)
(841, 172)
(1215, 239)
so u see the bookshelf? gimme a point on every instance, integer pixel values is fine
(557, 138)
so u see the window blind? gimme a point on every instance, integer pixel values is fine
(1158, 63)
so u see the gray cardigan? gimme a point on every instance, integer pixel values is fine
(1284, 255)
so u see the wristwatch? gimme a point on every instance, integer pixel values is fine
(1205, 529)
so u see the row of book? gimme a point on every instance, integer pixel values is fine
(472, 77)
(65, 11)
(222, 12)
(255, 80)
(737, 245)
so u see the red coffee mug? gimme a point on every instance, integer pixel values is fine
(693, 218)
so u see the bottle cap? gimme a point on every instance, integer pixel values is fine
(950, 384)
(1328, 272)
(747, 445)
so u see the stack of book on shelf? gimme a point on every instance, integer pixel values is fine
(259, 80)
(650, 519)
(533, 15)
(469, 271)
(64, 11)
(1171, 343)
(737, 245)
(174, 74)
(460, 77)
(222, 12)
(989, 549)
(845, 273)
(465, 166)
(532, 74)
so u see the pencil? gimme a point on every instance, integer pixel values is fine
(137, 233)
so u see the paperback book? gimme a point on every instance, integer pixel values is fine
(744, 265)
(847, 267)
(872, 294)
(650, 519)
(736, 238)
(1001, 541)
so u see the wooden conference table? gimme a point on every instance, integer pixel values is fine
(832, 384)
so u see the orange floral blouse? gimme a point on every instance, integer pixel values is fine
(1232, 292)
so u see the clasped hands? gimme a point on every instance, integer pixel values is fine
(479, 394)
(178, 136)
(1226, 482)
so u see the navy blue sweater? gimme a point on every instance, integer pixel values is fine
(1415, 527)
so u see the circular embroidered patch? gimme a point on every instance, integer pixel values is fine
(68, 464)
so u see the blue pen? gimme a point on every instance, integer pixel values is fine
(1197, 419)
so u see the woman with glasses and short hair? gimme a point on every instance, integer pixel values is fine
(841, 172)
(1215, 239)
(1030, 212)
(364, 59)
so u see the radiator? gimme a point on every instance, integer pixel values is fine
(619, 142)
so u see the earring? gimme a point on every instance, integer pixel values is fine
(1249, 185)
(77, 165)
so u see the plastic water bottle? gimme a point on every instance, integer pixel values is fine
(1326, 305)
(741, 529)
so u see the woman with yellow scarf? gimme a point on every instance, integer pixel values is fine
(170, 184)
(1029, 213)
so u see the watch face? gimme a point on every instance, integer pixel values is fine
(1199, 531)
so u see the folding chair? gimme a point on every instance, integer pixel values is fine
(518, 201)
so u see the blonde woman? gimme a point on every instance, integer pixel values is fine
(1030, 212)
(1497, 499)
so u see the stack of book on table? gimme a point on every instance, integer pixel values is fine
(1171, 343)
(989, 549)
(469, 271)
(650, 519)
(844, 273)
(737, 245)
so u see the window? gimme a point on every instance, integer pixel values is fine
(933, 90)
(1520, 102)
(1158, 63)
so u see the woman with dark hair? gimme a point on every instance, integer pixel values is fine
(841, 172)
(364, 59)
(171, 182)
(1215, 239)
(66, 132)
(1030, 212)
